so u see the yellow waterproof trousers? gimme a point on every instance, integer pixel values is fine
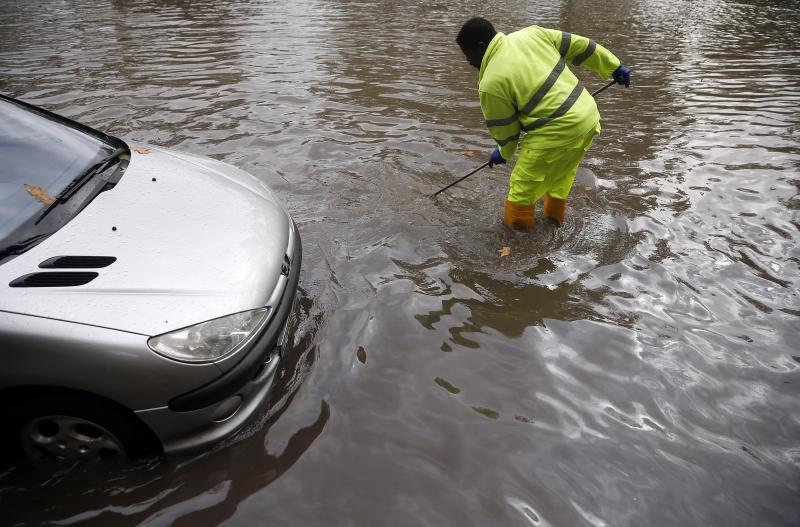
(547, 171)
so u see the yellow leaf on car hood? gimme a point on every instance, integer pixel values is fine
(39, 194)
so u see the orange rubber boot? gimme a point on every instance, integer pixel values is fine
(522, 216)
(555, 208)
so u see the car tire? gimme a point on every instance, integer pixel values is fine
(70, 425)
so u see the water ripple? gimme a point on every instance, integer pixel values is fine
(637, 366)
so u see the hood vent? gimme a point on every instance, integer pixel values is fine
(77, 262)
(56, 279)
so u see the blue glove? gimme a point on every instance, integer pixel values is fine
(622, 75)
(496, 158)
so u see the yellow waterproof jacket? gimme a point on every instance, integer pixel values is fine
(525, 86)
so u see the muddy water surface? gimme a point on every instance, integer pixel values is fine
(636, 367)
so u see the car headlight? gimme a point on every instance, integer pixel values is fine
(211, 340)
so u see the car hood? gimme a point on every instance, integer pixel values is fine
(194, 239)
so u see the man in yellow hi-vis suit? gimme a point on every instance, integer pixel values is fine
(525, 86)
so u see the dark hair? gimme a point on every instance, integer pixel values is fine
(473, 31)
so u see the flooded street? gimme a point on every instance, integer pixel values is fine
(639, 366)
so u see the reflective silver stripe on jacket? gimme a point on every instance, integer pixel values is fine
(564, 108)
(507, 140)
(502, 122)
(544, 88)
(565, 42)
(586, 54)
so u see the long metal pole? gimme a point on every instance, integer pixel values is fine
(610, 84)
(459, 180)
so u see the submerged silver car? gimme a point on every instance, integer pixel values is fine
(144, 295)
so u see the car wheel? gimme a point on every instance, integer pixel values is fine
(72, 426)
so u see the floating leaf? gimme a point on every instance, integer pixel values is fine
(447, 386)
(468, 153)
(39, 194)
(141, 150)
(361, 354)
(487, 412)
(504, 251)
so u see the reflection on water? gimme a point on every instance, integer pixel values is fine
(637, 366)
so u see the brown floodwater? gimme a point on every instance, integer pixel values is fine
(638, 366)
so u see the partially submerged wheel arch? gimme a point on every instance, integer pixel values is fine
(138, 439)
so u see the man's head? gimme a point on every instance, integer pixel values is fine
(474, 38)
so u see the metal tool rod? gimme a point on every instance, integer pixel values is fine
(610, 84)
(459, 180)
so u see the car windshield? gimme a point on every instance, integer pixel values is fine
(40, 157)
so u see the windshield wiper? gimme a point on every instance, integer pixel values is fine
(76, 184)
(21, 247)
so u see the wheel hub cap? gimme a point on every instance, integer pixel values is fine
(66, 437)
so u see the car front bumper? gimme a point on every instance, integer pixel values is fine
(217, 409)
